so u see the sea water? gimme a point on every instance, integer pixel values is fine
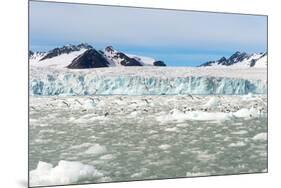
(121, 138)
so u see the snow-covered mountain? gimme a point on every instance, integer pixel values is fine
(35, 56)
(84, 56)
(89, 59)
(240, 60)
(117, 58)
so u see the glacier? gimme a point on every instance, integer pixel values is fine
(78, 84)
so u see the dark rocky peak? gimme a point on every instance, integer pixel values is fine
(131, 62)
(84, 45)
(65, 50)
(263, 54)
(234, 58)
(223, 59)
(208, 63)
(121, 57)
(253, 62)
(159, 63)
(238, 56)
(109, 49)
(89, 59)
(126, 60)
(30, 53)
(33, 55)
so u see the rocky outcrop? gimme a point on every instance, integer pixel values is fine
(159, 63)
(89, 59)
(117, 57)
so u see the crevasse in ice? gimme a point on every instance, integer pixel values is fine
(79, 84)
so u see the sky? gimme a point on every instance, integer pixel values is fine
(179, 38)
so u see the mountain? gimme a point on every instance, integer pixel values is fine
(120, 59)
(89, 59)
(240, 59)
(65, 50)
(117, 58)
(35, 56)
(84, 56)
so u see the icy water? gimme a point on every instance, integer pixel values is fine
(148, 137)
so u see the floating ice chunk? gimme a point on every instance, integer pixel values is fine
(213, 102)
(98, 118)
(90, 103)
(176, 112)
(260, 136)
(66, 172)
(37, 123)
(247, 113)
(104, 179)
(80, 146)
(205, 156)
(172, 129)
(107, 157)
(177, 115)
(134, 113)
(240, 132)
(42, 141)
(192, 174)
(183, 125)
(237, 144)
(96, 149)
(140, 173)
(164, 146)
(205, 116)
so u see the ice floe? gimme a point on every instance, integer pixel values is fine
(66, 172)
(260, 136)
(96, 149)
(164, 146)
(237, 144)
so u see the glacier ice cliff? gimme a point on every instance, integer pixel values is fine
(70, 84)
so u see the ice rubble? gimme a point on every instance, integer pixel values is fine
(88, 84)
(66, 172)
(180, 116)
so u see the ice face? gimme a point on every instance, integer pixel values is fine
(87, 84)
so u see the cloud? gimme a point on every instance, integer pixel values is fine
(53, 23)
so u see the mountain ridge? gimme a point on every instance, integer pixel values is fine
(84, 56)
(89, 57)
(240, 59)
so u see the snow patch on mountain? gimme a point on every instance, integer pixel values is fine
(148, 61)
(240, 60)
(61, 61)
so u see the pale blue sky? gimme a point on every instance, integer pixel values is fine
(180, 38)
